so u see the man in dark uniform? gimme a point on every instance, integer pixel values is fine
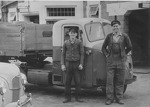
(116, 47)
(72, 63)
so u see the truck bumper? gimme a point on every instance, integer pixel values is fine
(25, 101)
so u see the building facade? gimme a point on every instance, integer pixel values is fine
(48, 12)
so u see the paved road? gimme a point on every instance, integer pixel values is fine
(137, 95)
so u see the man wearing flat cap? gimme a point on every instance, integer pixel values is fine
(116, 47)
(72, 63)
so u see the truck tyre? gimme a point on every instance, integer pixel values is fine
(125, 88)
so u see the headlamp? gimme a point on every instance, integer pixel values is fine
(2, 88)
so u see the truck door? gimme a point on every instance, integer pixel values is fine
(95, 64)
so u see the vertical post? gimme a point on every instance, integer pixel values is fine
(21, 38)
(21, 42)
(115, 17)
(28, 5)
(149, 39)
(84, 9)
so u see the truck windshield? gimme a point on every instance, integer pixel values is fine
(107, 28)
(94, 31)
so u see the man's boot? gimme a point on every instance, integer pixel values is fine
(67, 100)
(78, 100)
(119, 101)
(108, 102)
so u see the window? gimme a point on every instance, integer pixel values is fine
(94, 10)
(94, 31)
(66, 31)
(12, 16)
(47, 33)
(50, 22)
(34, 19)
(61, 11)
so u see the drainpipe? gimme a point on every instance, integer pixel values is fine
(84, 9)
(4, 12)
(115, 17)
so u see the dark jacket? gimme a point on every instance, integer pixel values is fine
(72, 52)
(125, 46)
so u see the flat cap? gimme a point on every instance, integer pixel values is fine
(73, 30)
(115, 22)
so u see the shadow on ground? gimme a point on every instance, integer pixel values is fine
(59, 91)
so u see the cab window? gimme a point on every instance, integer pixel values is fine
(94, 31)
(66, 32)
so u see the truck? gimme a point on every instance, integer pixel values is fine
(25, 41)
(42, 65)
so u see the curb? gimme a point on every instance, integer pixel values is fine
(141, 71)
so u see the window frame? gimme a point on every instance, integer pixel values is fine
(61, 11)
(91, 12)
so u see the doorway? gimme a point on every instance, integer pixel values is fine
(139, 32)
(34, 19)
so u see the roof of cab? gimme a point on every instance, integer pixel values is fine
(81, 21)
(57, 27)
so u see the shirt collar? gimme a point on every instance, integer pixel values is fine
(73, 41)
(120, 34)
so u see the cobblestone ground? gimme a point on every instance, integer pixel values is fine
(136, 95)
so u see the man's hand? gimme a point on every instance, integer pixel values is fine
(129, 53)
(63, 68)
(80, 67)
(107, 55)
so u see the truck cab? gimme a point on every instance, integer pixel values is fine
(92, 31)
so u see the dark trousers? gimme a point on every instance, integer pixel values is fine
(72, 72)
(115, 83)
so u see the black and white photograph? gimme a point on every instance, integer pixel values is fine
(74, 53)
